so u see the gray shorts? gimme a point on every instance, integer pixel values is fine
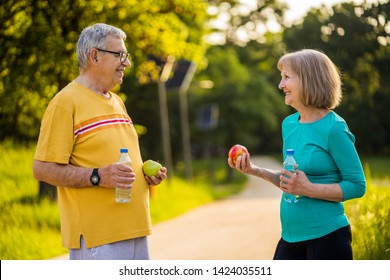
(132, 249)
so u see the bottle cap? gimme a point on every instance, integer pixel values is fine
(290, 151)
(124, 150)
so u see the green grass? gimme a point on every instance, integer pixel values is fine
(369, 216)
(177, 196)
(164, 204)
(30, 227)
(30, 230)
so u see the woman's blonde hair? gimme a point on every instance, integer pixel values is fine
(319, 76)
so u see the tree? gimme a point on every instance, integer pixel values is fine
(238, 23)
(30, 33)
(38, 40)
(249, 106)
(356, 38)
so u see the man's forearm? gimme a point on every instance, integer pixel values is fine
(65, 175)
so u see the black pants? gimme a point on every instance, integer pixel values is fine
(333, 246)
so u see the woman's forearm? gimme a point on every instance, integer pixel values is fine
(269, 175)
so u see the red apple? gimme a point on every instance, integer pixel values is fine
(235, 151)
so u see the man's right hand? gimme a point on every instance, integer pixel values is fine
(116, 176)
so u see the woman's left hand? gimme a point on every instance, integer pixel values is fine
(294, 183)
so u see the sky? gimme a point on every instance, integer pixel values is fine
(298, 8)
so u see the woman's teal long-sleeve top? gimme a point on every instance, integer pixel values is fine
(325, 151)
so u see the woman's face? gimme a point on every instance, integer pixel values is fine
(291, 86)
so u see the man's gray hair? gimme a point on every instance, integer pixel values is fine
(94, 37)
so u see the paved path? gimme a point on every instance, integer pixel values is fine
(243, 227)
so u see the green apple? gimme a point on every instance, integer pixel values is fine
(151, 168)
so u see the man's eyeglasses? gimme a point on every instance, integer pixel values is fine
(122, 55)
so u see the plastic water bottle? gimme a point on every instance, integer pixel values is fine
(291, 165)
(123, 194)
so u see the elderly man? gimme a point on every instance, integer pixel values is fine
(82, 132)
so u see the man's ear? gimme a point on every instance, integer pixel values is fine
(93, 56)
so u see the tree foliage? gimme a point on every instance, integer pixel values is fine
(37, 56)
(38, 39)
(356, 37)
(239, 22)
(250, 107)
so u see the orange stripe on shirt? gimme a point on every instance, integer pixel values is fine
(100, 122)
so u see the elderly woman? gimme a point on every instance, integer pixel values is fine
(330, 171)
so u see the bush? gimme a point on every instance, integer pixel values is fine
(369, 217)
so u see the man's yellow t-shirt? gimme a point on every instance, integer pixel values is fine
(85, 129)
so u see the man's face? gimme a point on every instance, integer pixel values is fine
(111, 68)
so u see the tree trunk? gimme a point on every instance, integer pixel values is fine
(47, 191)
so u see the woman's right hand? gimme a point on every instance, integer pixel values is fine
(243, 164)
